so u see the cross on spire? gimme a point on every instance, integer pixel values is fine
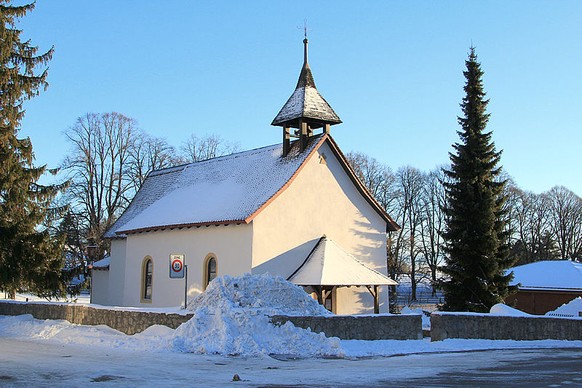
(305, 41)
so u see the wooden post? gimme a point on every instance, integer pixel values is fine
(376, 301)
(304, 136)
(326, 128)
(286, 140)
(326, 293)
(376, 296)
(319, 293)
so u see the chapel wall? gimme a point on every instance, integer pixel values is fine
(229, 244)
(108, 287)
(321, 200)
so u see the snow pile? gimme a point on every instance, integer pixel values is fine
(503, 309)
(570, 309)
(425, 316)
(232, 318)
(155, 338)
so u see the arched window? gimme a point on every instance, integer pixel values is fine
(147, 273)
(210, 270)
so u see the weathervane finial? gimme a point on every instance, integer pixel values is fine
(305, 41)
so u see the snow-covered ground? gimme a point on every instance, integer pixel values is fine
(231, 318)
(57, 353)
(82, 298)
(230, 328)
(161, 339)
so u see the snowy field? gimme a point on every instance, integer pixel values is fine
(83, 298)
(57, 353)
(231, 334)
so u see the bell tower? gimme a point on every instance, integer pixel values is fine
(305, 110)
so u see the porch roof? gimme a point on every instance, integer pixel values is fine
(329, 265)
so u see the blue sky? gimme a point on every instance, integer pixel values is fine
(391, 70)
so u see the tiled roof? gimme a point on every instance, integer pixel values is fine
(227, 189)
(329, 265)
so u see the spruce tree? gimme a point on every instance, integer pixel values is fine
(30, 258)
(476, 240)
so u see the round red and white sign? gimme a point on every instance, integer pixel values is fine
(177, 265)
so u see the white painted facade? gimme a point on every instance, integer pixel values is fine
(231, 245)
(321, 198)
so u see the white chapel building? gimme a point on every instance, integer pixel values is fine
(294, 209)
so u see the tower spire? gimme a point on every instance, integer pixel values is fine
(305, 42)
(306, 109)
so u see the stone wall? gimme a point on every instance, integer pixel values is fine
(128, 322)
(363, 327)
(467, 325)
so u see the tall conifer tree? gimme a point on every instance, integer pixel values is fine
(476, 241)
(30, 258)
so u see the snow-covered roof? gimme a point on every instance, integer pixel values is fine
(102, 264)
(230, 189)
(329, 265)
(549, 275)
(306, 102)
(227, 189)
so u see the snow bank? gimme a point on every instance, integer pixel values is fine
(232, 318)
(503, 309)
(570, 309)
(60, 331)
(158, 339)
(418, 311)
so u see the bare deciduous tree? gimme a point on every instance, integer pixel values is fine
(98, 167)
(196, 148)
(532, 239)
(410, 183)
(433, 222)
(378, 178)
(148, 153)
(566, 221)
